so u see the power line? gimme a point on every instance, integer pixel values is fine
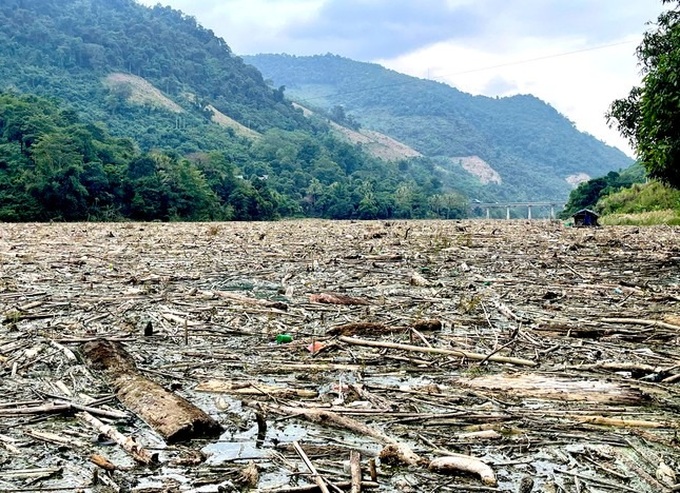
(481, 69)
(538, 59)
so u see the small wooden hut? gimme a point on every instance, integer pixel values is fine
(585, 218)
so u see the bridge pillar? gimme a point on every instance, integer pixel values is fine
(552, 211)
(488, 212)
(507, 212)
(529, 211)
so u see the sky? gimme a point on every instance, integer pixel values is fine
(577, 55)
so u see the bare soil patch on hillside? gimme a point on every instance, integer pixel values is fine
(142, 91)
(509, 356)
(375, 143)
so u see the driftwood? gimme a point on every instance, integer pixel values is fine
(583, 304)
(361, 328)
(374, 329)
(102, 462)
(464, 463)
(643, 321)
(278, 305)
(252, 388)
(427, 325)
(355, 470)
(55, 438)
(58, 407)
(139, 453)
(344, 485)
(308, 464)
(336, 299)
(397, 450)
(394, 451)
(559, 388)
(447, 352)
(172, 416)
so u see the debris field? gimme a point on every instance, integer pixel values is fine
(294, 356)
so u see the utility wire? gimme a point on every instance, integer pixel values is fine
(538, 59)
(481, 69)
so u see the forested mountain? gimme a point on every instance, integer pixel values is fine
(535, 151)
(109, 109)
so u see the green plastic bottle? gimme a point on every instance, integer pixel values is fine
(283, 338)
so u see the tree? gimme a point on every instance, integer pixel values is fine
(56, 182)
(650, 116)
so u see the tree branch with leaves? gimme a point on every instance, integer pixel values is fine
(650, 116)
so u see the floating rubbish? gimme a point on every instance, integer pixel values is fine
(284, 338)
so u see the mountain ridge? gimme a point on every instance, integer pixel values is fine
(185, 129)
(441, 121)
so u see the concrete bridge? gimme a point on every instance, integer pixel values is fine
(529, 206)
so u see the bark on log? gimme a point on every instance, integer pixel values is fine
(172, 416)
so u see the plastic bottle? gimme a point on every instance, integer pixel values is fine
(283, 338)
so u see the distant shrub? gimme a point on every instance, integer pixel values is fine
(668, 217)
(647, 197)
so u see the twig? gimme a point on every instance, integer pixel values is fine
(317, 478)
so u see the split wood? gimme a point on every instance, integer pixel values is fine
(136, 451)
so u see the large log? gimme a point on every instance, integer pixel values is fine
(172, 416)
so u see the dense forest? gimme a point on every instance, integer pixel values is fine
(54, 166)
(532, 147)
(73, 147)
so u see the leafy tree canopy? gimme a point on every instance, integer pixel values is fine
(67, 65)
(587, 195)
(650, 116)
(55, 166)
(531, 145)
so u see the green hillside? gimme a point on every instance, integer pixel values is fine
(113, 110)
(203, 135)
(534, 149)
(64, 48)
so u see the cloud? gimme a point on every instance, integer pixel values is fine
(249, 26)
(379, 29)
(596, 22)
(499, 86)
(370, 29)
(490, 47)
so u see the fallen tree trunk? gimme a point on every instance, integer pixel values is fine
(172, 416)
